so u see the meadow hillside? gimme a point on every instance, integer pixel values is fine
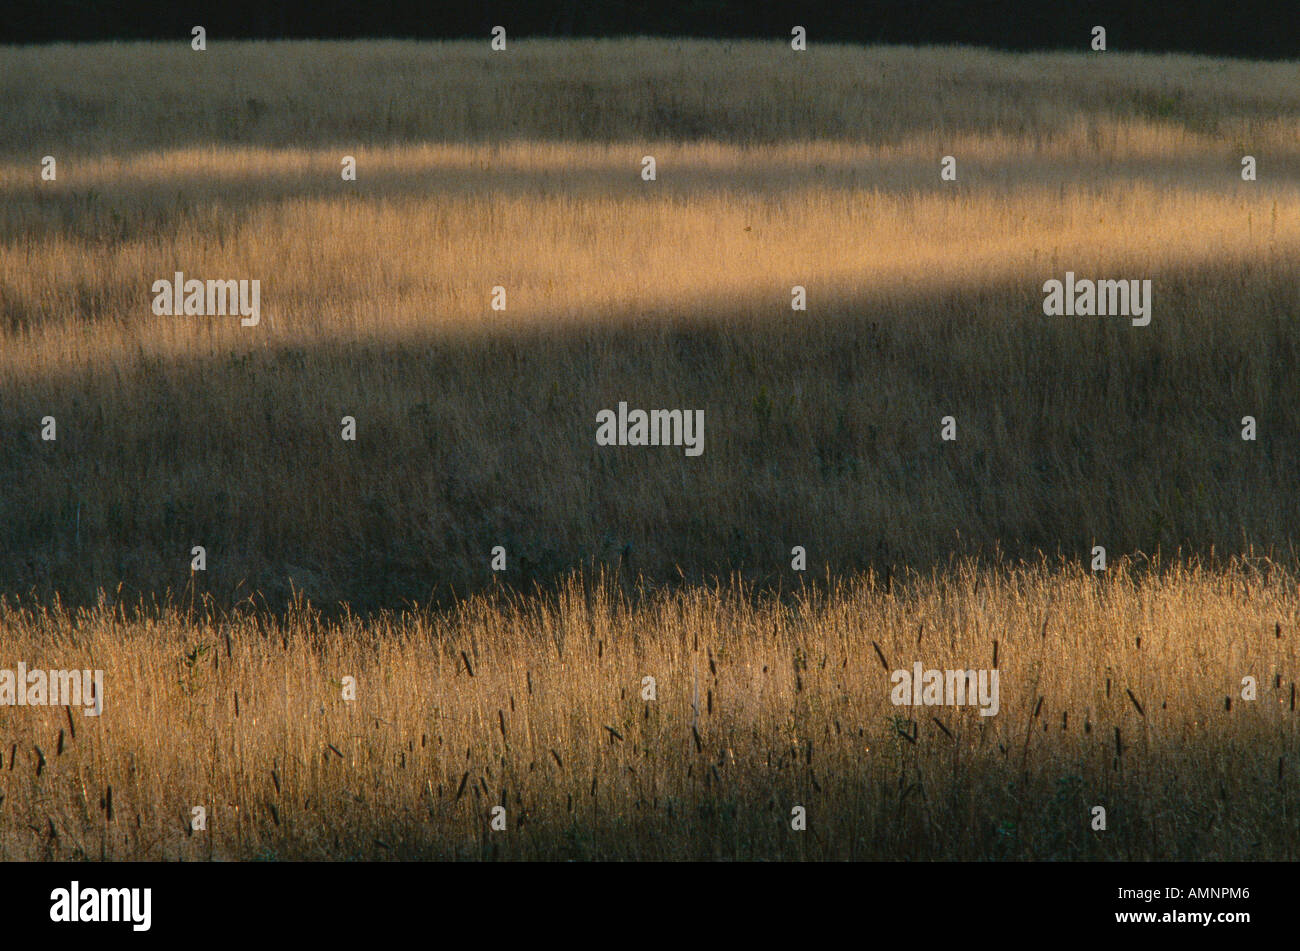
(649, 678)
(521, 169)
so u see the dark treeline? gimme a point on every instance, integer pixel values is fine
(1251, 28)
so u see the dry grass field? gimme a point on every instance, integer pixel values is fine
(475, 428)
(1115, 693)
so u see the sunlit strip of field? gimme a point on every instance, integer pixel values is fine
(575, 236)
(1125, 690)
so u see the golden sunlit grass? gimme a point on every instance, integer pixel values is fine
(475, 428)
(1114, 692)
